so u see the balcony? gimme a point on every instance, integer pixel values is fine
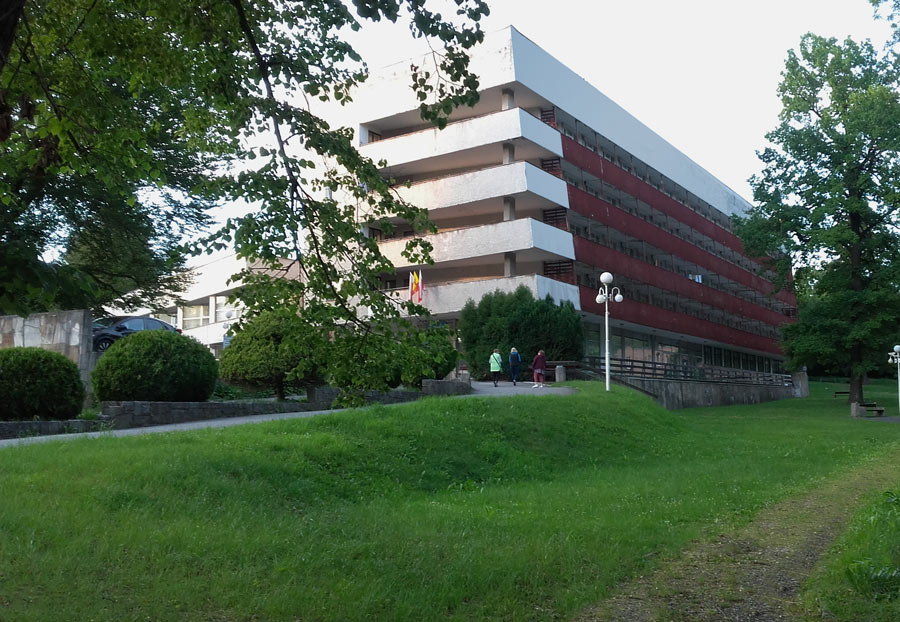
(462, 249)
(466, 145)
(208, 333)
(479, 195)
(448, 299)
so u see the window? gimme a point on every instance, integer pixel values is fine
(135, 323)
(151, 324)
(717, 357)
(222, 309)
(196, 316)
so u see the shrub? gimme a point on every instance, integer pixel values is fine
(36, 383)
(156, 366)
(502, 320)
(272, 350)
(439, 355)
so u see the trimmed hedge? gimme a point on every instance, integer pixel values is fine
(38, 384)
(155, 366)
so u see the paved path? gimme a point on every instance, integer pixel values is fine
(479, 389)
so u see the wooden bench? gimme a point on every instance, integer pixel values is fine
(872, 407)
(847, 393)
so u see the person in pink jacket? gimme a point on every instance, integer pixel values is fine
(539, 364)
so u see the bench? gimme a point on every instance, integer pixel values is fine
(847, 393)
(870, 408)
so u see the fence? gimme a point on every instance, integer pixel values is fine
(696, 373)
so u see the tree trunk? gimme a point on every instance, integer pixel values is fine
(856, 285)
(9, 22)
(856, 377)
(279, 390)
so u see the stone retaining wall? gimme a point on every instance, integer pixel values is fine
(21, 429)
(120, 415)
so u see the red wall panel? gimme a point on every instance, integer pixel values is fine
(654, 317)
(620, 263)
(600, 167)
(620, 220)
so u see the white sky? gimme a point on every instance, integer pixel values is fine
(701, 73)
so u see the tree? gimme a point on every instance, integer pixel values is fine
(92, 158)
(167, 108)
(273, 350)
(506, 320)
(828, 200)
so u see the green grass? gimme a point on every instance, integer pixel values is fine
(525, 508)
(860, 579)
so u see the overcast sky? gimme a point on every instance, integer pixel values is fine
(701, 73)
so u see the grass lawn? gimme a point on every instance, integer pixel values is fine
(524, 508)
(860, 580)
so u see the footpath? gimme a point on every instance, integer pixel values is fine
(755, 572)
(479, 389)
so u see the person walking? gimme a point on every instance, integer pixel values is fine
(514, 362)
(496, 365)
(539, 364)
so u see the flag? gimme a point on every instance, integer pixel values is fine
(415, 286)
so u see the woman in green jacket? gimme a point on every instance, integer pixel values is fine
(496, 363)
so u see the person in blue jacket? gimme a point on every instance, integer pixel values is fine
(514, 361)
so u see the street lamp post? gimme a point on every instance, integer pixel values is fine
(603, 297)
(894, 357)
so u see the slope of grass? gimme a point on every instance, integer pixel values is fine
(525, 508)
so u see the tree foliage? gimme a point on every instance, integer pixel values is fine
(828, 200)
(273, 350)
(516, 320)
(148, 111)
(99, 182)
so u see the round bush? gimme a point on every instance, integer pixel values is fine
(155, 366)
(36, 383)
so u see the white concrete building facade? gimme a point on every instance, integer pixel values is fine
(548, 183)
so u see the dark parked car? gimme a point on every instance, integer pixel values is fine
(109, 329)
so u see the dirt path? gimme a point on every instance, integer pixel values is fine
(755, 572)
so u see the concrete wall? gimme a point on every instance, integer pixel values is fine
(66, 332)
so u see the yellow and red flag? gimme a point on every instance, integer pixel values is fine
(415, 286)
